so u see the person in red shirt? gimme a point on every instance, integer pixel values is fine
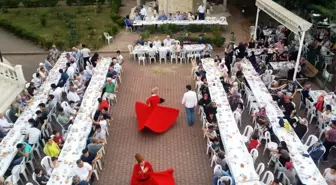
(254, 142)
(58, 138)
(102, 104)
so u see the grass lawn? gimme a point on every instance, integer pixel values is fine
(61, 21)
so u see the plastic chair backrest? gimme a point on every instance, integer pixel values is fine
(248, 131)
(46, 163)
(260, 168)
(254, 153)
(312, 139)
(16, 174)
(268, 177)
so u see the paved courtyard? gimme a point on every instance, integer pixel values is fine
(181, 147)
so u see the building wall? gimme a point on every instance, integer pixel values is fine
(179, 5)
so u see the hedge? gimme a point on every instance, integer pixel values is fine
(20, 32)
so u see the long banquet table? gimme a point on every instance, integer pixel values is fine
(183, 22)
(305, 167)
(238, 158)
(8, 144)
(81, 128)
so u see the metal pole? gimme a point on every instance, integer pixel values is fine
(299, 55)
(1, 57)
(256, 25)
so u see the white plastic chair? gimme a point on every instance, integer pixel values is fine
(15, 177)
(269, 144)
(267, 178)
(128, 28)
(247, 133)
(34, 178)
(237, 117)
(254, 153)
(163, 55)
(224, 178)
(173, 56)
(108, 37)
(7, 115)
(252, 29)
(260, 168)
(152, 55)
(46, 164)
(284, 179)
(312, 139)
(130, 49)
(141, 58)
(182, 57)
(190, 55)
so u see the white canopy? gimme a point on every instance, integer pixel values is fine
(293, 22)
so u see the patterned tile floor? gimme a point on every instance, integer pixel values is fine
(181, 147)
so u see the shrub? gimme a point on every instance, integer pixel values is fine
(43, 20)
(71, 2)
(145, 35)
(9, 3)
(48, 3)
(31, 3)
(87, 2)
(101, 2)
(114, 29)
(218, 41)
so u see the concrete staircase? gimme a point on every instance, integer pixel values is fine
(12, 83)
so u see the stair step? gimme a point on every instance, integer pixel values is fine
(9, 90)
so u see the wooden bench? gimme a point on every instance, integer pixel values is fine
(309, 70)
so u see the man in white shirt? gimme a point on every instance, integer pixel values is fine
(100, 134)
(116, 66)
(56, 91)
(69, 108)
(143, 12)
(86, 54)
(167, 42)
(83, 170)
(70, 71)
(5, 126)
(201, 10)
(33, 135)
(72, 95)
(120, 58)
(189, 100)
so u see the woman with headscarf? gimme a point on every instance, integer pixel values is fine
(143, 174)
(155, 117)
(289, 171)
(241, 50)
(319, 105)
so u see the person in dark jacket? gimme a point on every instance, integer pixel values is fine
(63, 79)
(205, 101)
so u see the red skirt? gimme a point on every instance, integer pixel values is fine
(158, 178)
(158, 119)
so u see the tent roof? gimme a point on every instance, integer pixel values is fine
(283, 16)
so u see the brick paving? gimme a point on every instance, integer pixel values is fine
(181, 147)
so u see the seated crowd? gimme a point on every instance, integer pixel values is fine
(283, 93)
(57, 114)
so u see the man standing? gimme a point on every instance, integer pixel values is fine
(190, 101)
(86, 55)
(201, 10)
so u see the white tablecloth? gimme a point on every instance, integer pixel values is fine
(184, 22)
(238, 158)
(8, 145)
(282, 65)
(304, 166)
(186, 47)
(78, 134)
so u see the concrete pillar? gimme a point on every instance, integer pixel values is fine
(165, 6)
(225, 4)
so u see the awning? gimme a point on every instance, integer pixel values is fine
(290, 20)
